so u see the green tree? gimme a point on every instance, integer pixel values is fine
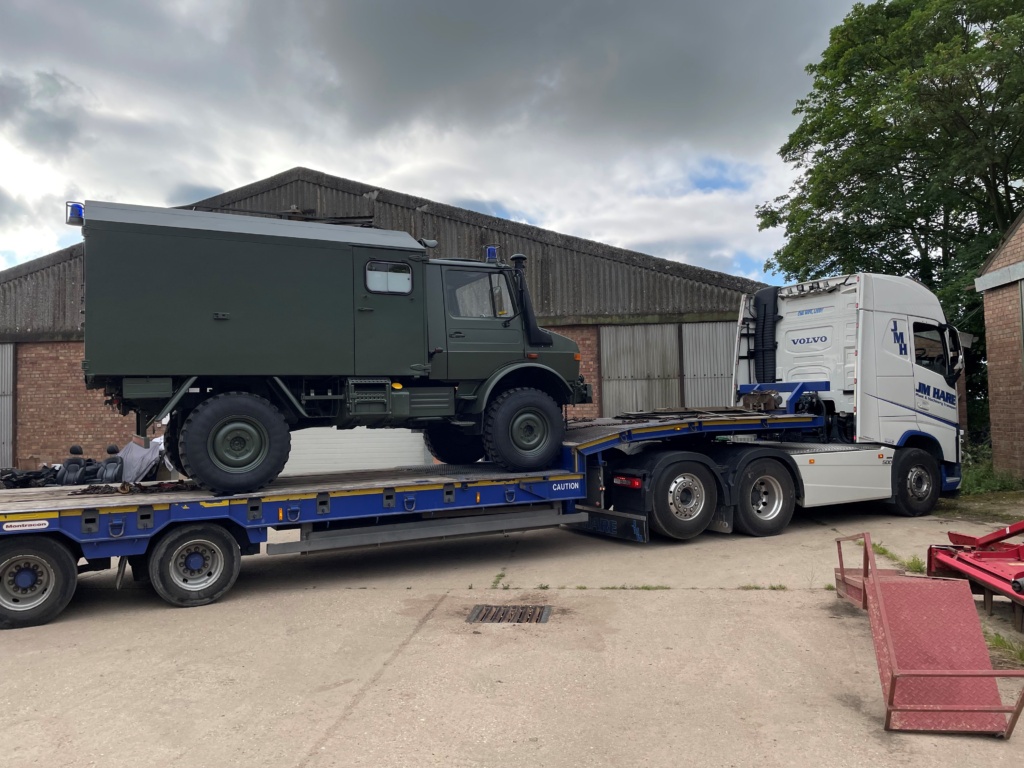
(910, 149)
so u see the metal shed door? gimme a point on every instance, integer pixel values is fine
(6, 405)
(639, 368)
(707, 364)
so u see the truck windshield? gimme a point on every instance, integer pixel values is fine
(478, 294)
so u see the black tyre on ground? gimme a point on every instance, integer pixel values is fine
(685, 500)
(38, 576)
(523, 429)
(447, 444)
(234, 443)
(194, 565)
(766, 498)
(916, 478)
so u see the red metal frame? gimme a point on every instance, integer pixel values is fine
(933, 662)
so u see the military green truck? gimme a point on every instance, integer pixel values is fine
(241, 329)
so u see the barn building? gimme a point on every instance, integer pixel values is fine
(652, 332)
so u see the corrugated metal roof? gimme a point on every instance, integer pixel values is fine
(572, 280)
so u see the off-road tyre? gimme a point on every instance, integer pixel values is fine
(194, 565)
(916, 482)
(234, 443)
(450, 446)
(766, 498)
(523, 430)
(685, 500)
(38, 577)
(171, 450)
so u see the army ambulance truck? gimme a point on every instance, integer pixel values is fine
(241, 329)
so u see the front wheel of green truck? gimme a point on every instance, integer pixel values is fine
(450, 446)
(234, 443)
(38, 576)
(523, 430)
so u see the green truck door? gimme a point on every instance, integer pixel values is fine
(484, 332)
(390, 328)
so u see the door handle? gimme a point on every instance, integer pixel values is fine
(456, 335)
(366, 309)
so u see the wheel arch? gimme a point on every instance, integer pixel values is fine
(530, 375)
(922, 440)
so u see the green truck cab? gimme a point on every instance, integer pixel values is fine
(241, 329)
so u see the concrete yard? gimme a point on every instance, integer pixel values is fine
(365, 659)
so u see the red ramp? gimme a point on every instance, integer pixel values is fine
(933, 662)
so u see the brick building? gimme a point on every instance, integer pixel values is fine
(652, 332)
(1002, 281)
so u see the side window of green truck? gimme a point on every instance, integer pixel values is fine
(478, 294)
(388, 277)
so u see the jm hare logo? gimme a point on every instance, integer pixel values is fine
(936, 395)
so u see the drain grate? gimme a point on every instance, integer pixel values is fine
(509, 614)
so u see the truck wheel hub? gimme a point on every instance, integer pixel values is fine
(196, 565)
(766, 498)
(919, 482)
(238, 444)
(24, 582)
(529, 431)
(686, 497)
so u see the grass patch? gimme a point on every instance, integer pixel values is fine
(980, 476)
(830, 587)
(750, 586)
(639, 586)
(777, 587)
(581, 586)
(1007, 650)
(542, 586)
(912, 564)
(497, 580)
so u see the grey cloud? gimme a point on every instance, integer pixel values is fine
(11, 209)
(42, 111)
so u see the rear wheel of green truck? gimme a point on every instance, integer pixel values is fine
(38, 576)
(450, 446)
(194, 565)
(234, 443)
(171, 452)
(523, 430)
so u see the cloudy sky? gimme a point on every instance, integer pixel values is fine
(650, 124)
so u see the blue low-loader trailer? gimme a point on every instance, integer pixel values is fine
(678, 473)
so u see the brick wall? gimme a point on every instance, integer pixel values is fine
(1006, 362)
(54, 410)
(587, 337)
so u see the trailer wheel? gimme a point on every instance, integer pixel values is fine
(234, 443)
(916, 475)
(523, 429)
(685, 500)
(38, 576)
(767, 498)
(194, 565)
(450, 446)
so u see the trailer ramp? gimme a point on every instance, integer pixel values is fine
(933, 662)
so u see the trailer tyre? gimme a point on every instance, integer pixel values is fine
(38, 576)
(234, 443)
(194, 565)
(766, 498)
(685, 500)
(450, 446)
(523, 430)
(916, 477)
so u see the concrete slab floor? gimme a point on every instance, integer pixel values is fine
(365, 658)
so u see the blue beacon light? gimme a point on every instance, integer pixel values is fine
(74, 214)
(491, 252)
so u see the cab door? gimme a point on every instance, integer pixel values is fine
(483, 329)
(935, 399)
(389, 324)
